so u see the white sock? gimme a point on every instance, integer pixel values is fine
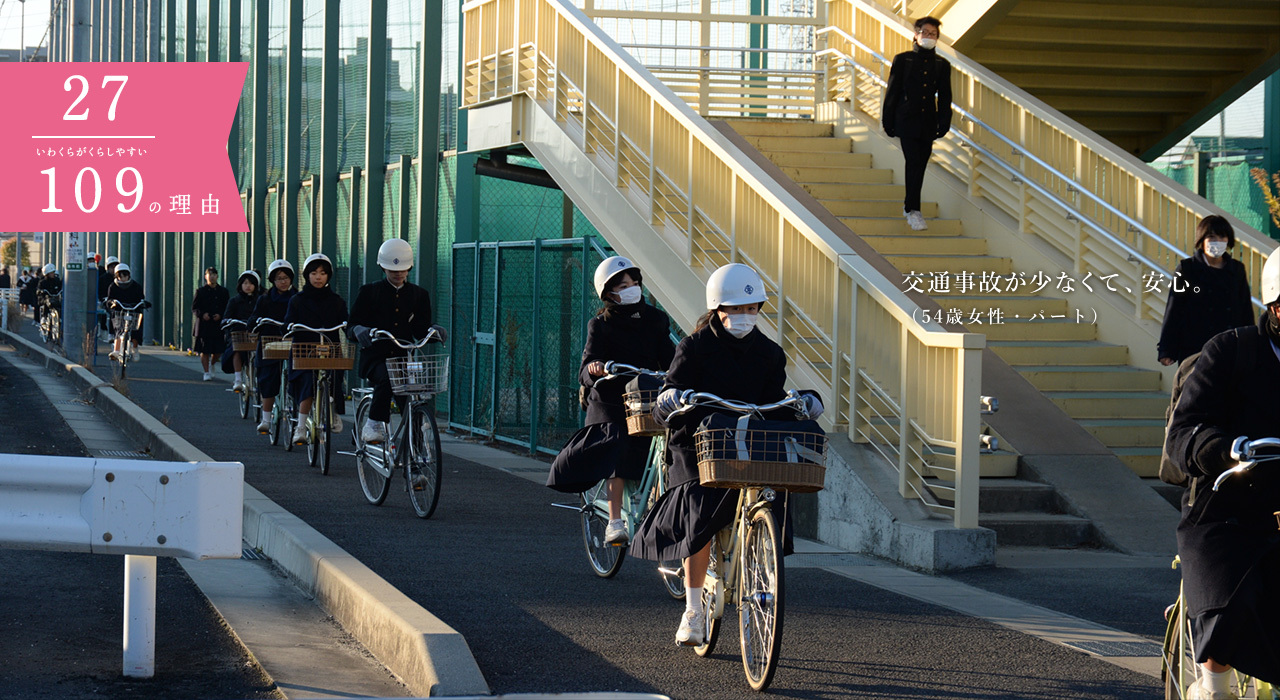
(302, 417)
(238, 376)
(693, 600)
(1216, 682)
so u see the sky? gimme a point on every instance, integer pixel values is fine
(1244, 116)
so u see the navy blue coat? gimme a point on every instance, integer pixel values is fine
(1213, 300)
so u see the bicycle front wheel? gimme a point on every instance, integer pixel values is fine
(245, 397)
(605, 559)
(422, 468)
(371, 459)
(715, 568)
(323, 422)
(277, 420)
(760, 599)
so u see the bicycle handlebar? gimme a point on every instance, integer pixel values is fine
(432, 336)
(115, 303)
(258, 324)
(1245, 451)
(227, 323)
(692, 399)
(613, 370)
(295, 327)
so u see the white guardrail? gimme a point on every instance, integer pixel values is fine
(139, 508)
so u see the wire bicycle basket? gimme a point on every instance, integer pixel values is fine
(243, 341)
(639, 405)
(745, 457)
(418, 375)
(327, 356)
(275, 347)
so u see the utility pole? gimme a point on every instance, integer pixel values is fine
(79, 312)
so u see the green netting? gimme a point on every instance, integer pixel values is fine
(462, 316)
(514, 335)
(353, 61)
(449, 55)
(342, 261)
(202, 31)
(411, 234)
(224, 30)
(277, 64)
(312, 85)
(446, 225)
(1229, 186)
(404, 80)
(244, 114)
(180, 31)
(514, 211)
(273, 223)
(390, 210)
(306, 223)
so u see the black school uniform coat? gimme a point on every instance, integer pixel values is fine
(635, 334)
(405, 312)
(318, 308)
(239, 308)
(50, 284)
(1213, 300)
(213, 301)
(751, 369)
(127, 294)
(272, 304)
(1228, 540)
(917, 102)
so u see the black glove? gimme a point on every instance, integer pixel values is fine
(441, 333)
(363, 335)
(1213, 456)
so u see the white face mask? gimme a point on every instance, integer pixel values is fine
(630, 295)
(1216, 248)
(926, 42)
(739, 325)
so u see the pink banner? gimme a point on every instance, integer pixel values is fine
(119, 147)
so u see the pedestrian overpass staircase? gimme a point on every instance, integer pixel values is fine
(789, 185)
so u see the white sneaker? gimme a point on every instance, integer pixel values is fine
(238, 387)
(265, 426)
(208, 376)
(616, 532)
(300, 433)
(337, 425)
(1198, 692)
(916, 221)
(692, 627)
(114, 355)
(133, 355)
(374, 432)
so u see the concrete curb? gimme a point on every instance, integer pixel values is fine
(429, 657)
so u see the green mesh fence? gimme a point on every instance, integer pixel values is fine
(273, 223)
(404, 80)
(306, 223)
(390, 210)
(342, 261)
(411, 235)
(312, 86)
(202, 31)
(1229, 186)
(277, 64)
(224, 30)
(353, 61)
(244, 115)
(180, 31)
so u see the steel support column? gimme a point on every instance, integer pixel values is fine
(430, 46)
(258, 167)
(375, 134)
(329, 115)
(288, 193)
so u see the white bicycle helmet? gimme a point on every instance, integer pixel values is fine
(50, 268)
(112, 260)
(395, 254)
(123, 268)
(279, 265)
(610, 268)
(1271, 278)
(257, 281)
(316, 259)
(733, 285)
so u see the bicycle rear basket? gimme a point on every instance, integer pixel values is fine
(334, 356)
(275, 348)
(639, 405)
(418, 374)
(738, 458)
(243, 341)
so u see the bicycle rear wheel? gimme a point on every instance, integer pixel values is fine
(422, 468)
(716, 567)
(370, 459)
(760, 599)
(277, 420)
(605, 559)
(245, 397)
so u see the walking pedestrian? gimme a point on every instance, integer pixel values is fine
(917, 109)
(1210, 294)
(207, 307)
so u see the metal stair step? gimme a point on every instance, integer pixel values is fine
(919, 245)
(1021, 329)
(767, 144)
(1111, 404)
(1052, 352)
(897, 226)
(1037, 529)
(857, 206)
(976, 264)
(1126, 432)
(781, 127)
(827, 160)
(1016, 495)
(1090, 377)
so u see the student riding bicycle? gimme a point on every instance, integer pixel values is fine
(728, 356)
(126, 292)
(1227, 539)
(272, 304)
(398, 306)
(49, 286)
(317, 306)
(627, 330)
(240, 308)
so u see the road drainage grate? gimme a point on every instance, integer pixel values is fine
(1110, 649)
(248, 553)
(124, 454)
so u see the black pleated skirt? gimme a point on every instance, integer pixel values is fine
(597, 452)
(1242, 635)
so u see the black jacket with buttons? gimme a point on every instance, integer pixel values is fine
(405, 312)
(917, 103)
(635, 334)
(1205, 302)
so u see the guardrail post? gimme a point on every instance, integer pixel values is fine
(139, 616)
(904, 417)
(966, 431)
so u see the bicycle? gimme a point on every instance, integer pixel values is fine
(413, 440)
(746, 557)
(245, 341)
(1178, 665)
(637, 496)
(275, 347)
(50, 317)
(125, 320)
(321, 358)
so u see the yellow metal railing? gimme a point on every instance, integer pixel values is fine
(1103, 209)
(841, 323)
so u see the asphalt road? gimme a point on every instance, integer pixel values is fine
(506, 569)
(61, 614)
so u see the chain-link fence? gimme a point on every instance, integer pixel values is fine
(1229, 186)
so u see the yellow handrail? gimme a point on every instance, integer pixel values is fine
(841, 322)
(1139, 209)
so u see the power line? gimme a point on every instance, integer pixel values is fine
(48, 28)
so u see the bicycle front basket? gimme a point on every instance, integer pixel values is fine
(330, 356)
(418, 374)
(638, 400)
(275, 348)
(786, 455)
(243, 341)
